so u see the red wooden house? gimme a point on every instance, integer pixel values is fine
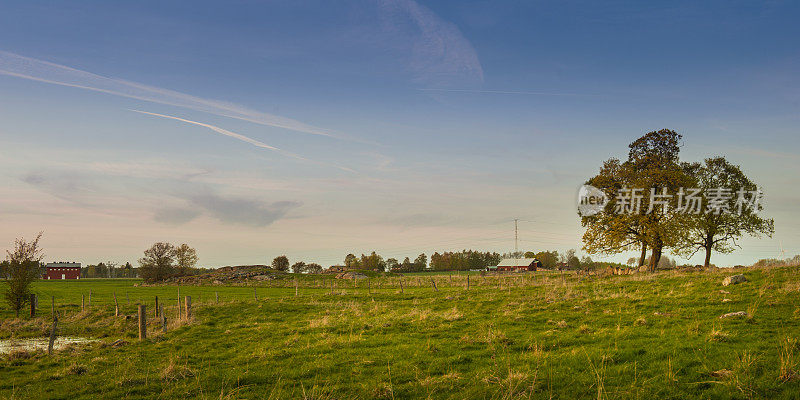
(518, 264)
(62, 270)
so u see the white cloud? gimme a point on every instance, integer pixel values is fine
(440, 54)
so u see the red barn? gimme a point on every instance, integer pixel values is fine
(519, 264)
(63, 270)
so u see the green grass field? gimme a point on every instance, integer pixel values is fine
(543, 336)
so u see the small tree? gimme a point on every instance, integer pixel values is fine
(158, 262)
(421, 262)
(373, 262)
(281, 263)
(407, 265)
(571, 259)
(352, 262)
(314, 268)
(186, 258)
(549, 259)
(299, 267)
(21, 269)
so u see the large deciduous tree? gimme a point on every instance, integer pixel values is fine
(158, 262)
(21, 269)
(652, 168)
(737, 214)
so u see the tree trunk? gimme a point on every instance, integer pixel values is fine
(655, 256)
(644, 254)
(709, 244)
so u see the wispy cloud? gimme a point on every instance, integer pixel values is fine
(238, 136)
(172, 201)
(440, 54)
(241, 211)
(175, 215)
(42, 71)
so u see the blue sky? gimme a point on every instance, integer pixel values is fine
(314, 129)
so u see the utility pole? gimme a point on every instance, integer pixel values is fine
(516, 238)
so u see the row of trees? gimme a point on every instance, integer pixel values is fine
(164, 260)
(654, 164)
(463, 260)
(109, 269)
(281, 263)
(776, 262)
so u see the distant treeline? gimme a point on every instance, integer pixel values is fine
(775, 262)
(465, 260)
(109, 270)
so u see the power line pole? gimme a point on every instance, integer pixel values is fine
(516, 238)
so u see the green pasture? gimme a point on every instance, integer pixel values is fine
(520, 336)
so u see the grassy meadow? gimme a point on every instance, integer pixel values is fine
(536, 336)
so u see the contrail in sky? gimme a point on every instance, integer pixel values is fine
(507, 92)
(42, 71)
(238, 136)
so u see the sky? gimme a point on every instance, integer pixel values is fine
(314, 129)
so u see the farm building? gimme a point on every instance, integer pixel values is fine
(62, 270)
(518, 264)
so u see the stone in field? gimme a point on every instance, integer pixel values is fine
(734, 279)
(723, 373)
(737, 314)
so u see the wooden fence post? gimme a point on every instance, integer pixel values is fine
(401, 285)
(369, 286)
(83, 302)
(52, 335)
(216, 294)
(188, 300)
(295, 287)
(116, 305)
(163, 319)
(33, 305)
(467, 281)
(142, 322)
(332, 281)
(433, 282)
(156, 310)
